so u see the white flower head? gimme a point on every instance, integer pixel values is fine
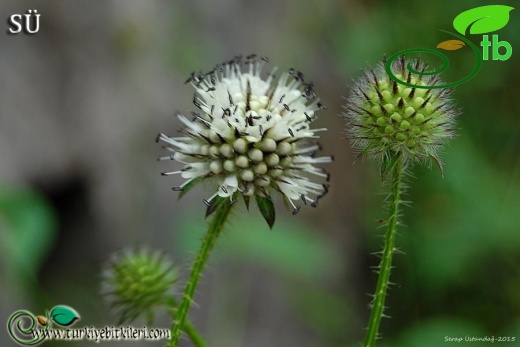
(251, 136)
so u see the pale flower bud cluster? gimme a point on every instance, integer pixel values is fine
(251, 135)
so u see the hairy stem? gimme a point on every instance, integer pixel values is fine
(385, 266)
(188, 328)
(215, 227)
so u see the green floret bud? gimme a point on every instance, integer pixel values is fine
(137, 282)
(385, 118)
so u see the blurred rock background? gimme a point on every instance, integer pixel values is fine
(82, 101)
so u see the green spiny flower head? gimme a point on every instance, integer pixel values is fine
(385, 118)
(136, 282)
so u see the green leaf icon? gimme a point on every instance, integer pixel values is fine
(64, 315)
(266, 207)
(483, 19)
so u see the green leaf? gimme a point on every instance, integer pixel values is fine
(483, 19)
(64, 315)
(188, 186)
(246, 201)
(438, 162)
(27, 232)
(266, 207)
(214, 204)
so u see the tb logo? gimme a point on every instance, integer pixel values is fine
(495, 45)
(29, 23)
(477, 21)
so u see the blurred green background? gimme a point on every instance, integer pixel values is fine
(82, 101)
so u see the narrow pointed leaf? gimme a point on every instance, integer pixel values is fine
(64, 315)
(188, 186)
(451, 45)
(483, 19)
(246, 201)
(214, 204)
(387, 166)
(266, 207)
(438, 163)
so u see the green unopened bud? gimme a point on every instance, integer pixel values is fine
(386, 118)
(136, 282)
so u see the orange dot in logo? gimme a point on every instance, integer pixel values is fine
(42, 320)
(451, 45)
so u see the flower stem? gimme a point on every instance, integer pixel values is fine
(385, 266)
(215, 227)
(188, 328)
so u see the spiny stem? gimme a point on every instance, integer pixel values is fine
(215, 227)
(188, 328)
(385, 266)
